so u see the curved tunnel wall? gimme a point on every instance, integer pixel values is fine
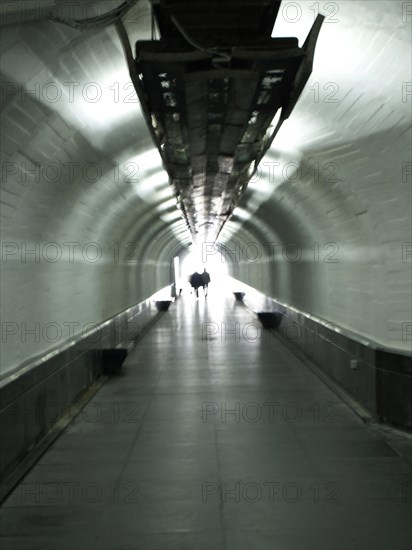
(332, 251)
(334, 193)
(86, 207)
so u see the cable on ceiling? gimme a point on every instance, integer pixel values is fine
(100, 20)
(195, 44)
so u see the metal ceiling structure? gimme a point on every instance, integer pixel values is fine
(210, 89)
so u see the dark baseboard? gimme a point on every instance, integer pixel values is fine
(35, 400)
(379, 379)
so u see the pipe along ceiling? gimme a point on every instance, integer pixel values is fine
(211, 102)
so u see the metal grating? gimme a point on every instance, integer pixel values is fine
(211, 110)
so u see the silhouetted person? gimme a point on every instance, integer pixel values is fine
(196, 280)
(206, 281)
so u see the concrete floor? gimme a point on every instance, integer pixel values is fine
(225, 442)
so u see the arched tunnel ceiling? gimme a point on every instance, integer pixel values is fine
(356, 91)
(79, 165)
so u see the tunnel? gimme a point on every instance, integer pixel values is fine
(269, 144)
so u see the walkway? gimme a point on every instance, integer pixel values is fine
(215, 436)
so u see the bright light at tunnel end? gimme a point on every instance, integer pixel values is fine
(202, 256)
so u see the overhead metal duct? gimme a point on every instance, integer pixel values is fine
(211, 88)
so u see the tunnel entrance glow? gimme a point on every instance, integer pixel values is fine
(198, 259)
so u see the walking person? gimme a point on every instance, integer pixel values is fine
(206, 281)
(196, 280)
